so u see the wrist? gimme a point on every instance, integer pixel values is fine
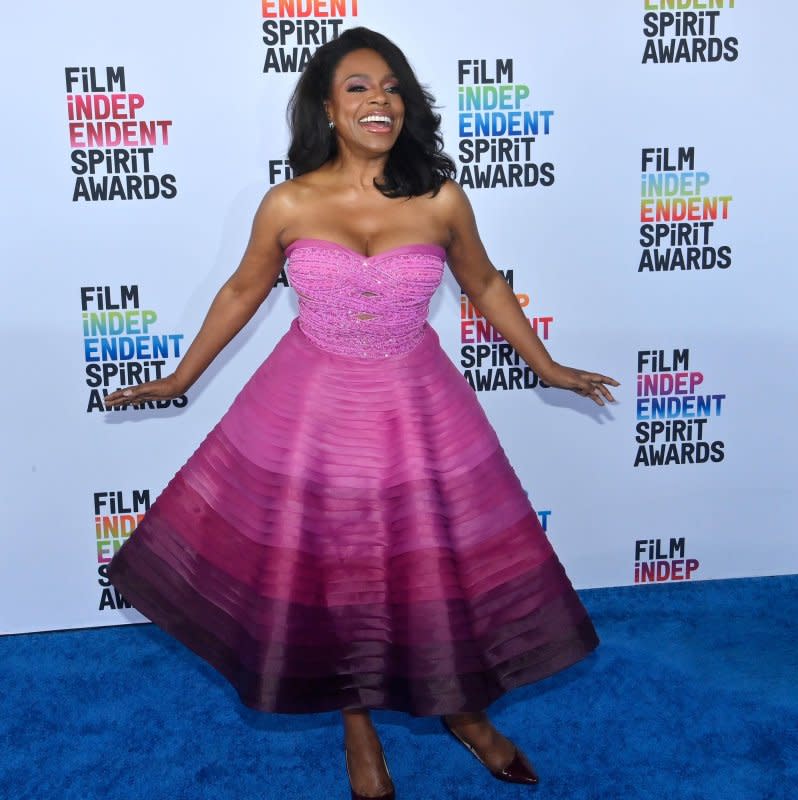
(546, 373)
(179, 384)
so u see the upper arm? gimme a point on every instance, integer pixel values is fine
(263, 257)
(465, 253)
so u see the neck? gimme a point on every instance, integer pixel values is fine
(358, 170)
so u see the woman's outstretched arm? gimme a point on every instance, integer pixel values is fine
(490, 293)
(234, 305)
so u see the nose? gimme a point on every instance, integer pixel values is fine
(380, 97)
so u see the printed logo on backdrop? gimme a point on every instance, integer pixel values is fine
(688, 31)
(489, 363)
(293, 29)
(499, 132)
(116, 515)
(675, 413)
(660, 560)
(114, 147)
(680, 217)
(123, 345)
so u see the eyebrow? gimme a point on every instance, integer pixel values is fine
(363, 75)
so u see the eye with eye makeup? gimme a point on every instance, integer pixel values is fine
(359, 87)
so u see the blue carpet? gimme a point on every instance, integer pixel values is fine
(692, 694)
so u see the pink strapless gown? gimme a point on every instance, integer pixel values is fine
(351, 534)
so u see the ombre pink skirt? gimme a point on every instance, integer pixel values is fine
(351, 534)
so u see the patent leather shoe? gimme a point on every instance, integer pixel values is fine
(517, 771)
(391, 795)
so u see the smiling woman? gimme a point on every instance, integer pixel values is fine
(368, 98)
(416, 162)
(336, 543)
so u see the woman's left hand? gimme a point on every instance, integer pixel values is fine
(587, 384)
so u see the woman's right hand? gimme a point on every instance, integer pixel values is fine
(163, 389)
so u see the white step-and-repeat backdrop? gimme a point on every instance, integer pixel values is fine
(632, 166)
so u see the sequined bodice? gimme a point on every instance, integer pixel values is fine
(363, 306)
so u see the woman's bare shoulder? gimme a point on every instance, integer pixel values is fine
(452, 192)
(450, 203)
(285, 200)
(450, 197)
(286, 194)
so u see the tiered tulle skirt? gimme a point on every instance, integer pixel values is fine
(351, 534)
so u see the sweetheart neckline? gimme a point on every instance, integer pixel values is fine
(420, 247)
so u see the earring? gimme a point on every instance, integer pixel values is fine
(331, 124)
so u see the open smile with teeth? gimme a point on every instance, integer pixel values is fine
(377, 123)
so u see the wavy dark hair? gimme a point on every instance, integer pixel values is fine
(416, 164)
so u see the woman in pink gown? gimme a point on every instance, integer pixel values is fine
(350, 535)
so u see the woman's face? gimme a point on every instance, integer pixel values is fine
(365, 103)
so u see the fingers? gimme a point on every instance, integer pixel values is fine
(596, 395)
(604, 379)
(605, 392)
(131, 396)
(587, 389)
(121, 397)
(150, 391)
(592, 385)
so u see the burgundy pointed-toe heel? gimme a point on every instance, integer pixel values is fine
(391, 795)
(517, 771)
